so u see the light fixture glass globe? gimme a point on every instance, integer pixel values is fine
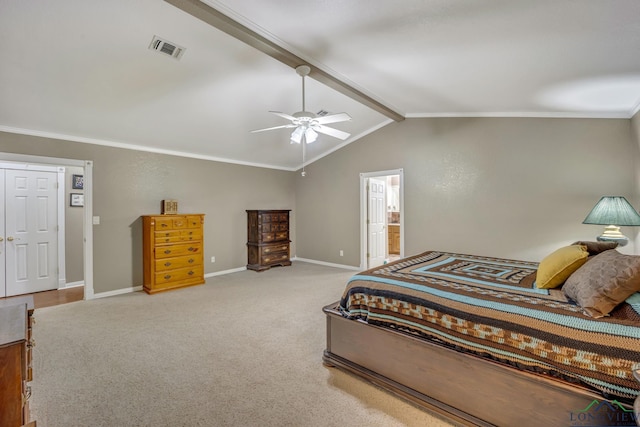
(310, 135)
(296, 135)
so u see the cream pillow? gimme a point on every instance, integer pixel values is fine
(556, 267)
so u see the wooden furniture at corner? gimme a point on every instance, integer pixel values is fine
(267, 239)
(16, 342)
(172, 251)
(394, 238)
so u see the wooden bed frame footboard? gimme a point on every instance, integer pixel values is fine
(461, 387)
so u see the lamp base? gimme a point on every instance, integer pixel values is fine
(612, 234)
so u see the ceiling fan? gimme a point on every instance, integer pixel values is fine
(307, 125)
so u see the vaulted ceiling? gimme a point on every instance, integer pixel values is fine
(82, 70)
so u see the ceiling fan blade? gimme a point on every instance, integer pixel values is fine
(291, 125)
(333, 118)
(283, 115)
(331, 132)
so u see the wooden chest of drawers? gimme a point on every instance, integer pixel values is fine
(172, 251)
(267, 239)
(16, 342)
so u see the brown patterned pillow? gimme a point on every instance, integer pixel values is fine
(603, 282)
(594, 248)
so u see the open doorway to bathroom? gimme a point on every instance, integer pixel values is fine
(381, 217)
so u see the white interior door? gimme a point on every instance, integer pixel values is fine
(377, 220)
(31, 231)
(3, 290)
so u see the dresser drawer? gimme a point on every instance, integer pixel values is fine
(169, 223)
(179, 275)
(273, 227)
(165, 264)
(274, 257)
(282, 235)
(193, 221)
(178, 250)
(266, 250)
(177, 236)
(192, 234)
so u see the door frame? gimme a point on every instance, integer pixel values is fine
(87, 165)
(363, 211)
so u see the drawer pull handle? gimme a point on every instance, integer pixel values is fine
(163, 225)
(167, 264)
(191, 273)
(27, 395)
(167, 277)
(191, 261)
(168, 251)
(192, 249)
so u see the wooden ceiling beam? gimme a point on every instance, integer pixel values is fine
(224, 23)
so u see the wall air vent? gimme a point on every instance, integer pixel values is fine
(166, 47)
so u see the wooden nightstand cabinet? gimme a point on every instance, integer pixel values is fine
(16, 342)
(267, 239)
(172, 251)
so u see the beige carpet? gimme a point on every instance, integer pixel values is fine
(244, 349)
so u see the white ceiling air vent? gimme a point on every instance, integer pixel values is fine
(166, 47)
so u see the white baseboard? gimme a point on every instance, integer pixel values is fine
(327, 264)
(222, 273)
(71, 285)
(139, 288)
(116, 292)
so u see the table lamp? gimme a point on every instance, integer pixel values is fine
(613, 211)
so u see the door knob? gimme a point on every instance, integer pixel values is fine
(10, 239)
(1, 239)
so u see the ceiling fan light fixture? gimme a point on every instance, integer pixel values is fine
(309, 125)
(296, 135)
(310, 136)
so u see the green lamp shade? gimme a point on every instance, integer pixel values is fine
(613, 210)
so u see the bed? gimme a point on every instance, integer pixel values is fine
(476, 339)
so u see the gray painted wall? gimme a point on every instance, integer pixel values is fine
(506, 187)
(130, 183)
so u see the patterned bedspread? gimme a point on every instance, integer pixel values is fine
(491, 307)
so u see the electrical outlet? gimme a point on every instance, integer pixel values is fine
(341, 252)
(213, 259)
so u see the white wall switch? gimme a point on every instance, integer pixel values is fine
(341, 252)
(213, 259)
(96, 220)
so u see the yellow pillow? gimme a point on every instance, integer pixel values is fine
(556, 267)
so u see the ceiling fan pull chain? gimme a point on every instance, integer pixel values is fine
(304, 152)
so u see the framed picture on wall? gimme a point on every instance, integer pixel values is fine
(77, 182)
(76, 199)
